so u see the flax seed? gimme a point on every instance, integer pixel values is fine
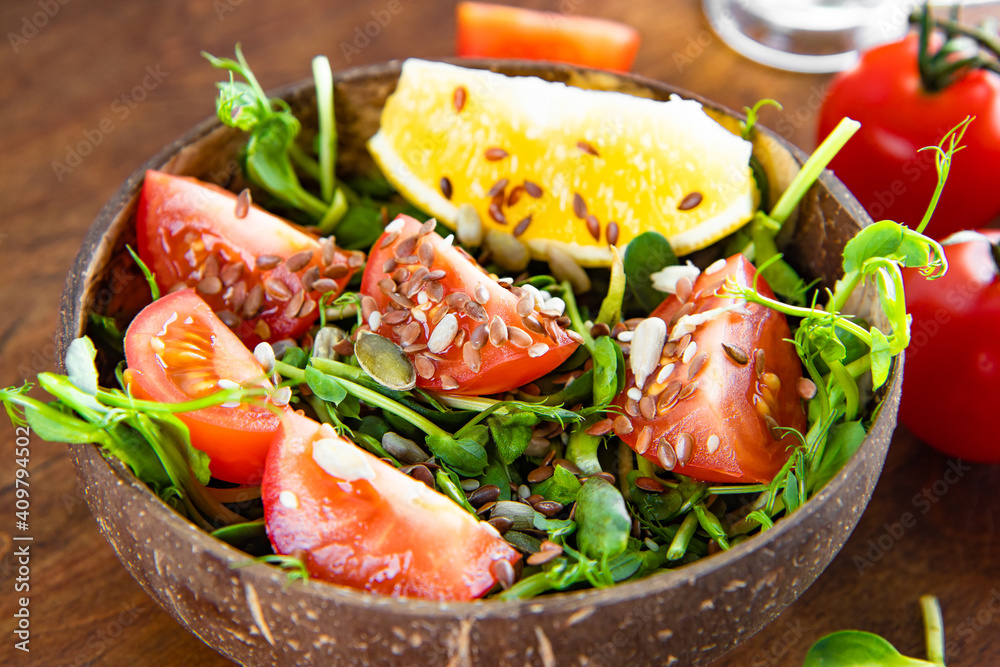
(424, 367)
(522, 226)
(267, 262)
(736, 354)
(448, 383)
(294, 304)
(690, 201)
(684, 448)
(498, 189)
(494, 153)
(389, 238)
(649, 485)
(476, 311)
(602, 427)
(299, 260)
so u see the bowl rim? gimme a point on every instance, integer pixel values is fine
(71, 322)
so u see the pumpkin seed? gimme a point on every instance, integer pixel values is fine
(385, 362)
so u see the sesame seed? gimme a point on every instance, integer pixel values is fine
(394, 227)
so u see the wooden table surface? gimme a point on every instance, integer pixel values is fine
(92, 89)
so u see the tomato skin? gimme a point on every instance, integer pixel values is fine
(181, 222)
(725, 404)
(171, 360)
(497, 31)
(881, 164)
(951, 384)
(502, 368)
(390, 534)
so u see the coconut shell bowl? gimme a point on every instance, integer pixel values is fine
(252, 614)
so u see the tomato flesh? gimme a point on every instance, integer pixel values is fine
(497, 31)
(882, 164)
(405, 264)
(191, 235)
(710, 413)
(177, 350)
(359, 522)
(952, 382)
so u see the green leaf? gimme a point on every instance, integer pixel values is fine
(603, 520)
(466, 456)
(511, 433)
(842, 442)
(562, 487)
(852, 648)
(881, 358)
(791, 492)
(360, 227)
(80, 367)
(50, 424)
(496, 474)
(646, 254)
(325, 386)
(606, 357)
(449, 484)
(250, 536)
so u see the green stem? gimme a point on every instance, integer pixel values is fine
(305, 162)
(323, 77)
(611, 307)
(574, 315)
(813, 167)
(731, 489)
(934, 629)
(800, 311)
(679, 545)
(582, 450)
(334, 214)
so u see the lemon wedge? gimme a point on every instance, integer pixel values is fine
(554, 164)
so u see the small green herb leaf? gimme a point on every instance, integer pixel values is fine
(881, 358)
(603, 520)
(466, 456)
(325, 386)
(852, 648)
(646, 254)
(511, 432)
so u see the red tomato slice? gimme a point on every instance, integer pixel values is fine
(498, 31)
(710, 413)
(461, 298)
(362, 523)
(190, 235)
(177, 349)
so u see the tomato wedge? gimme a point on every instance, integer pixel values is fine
(462, 328)
(177, 350)
(716, 385)
(357, 521)
(263, 276)
(497, 31)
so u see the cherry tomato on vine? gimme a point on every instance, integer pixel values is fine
(904, 106)
(951, 383)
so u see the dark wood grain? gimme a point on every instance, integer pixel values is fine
(102, 85)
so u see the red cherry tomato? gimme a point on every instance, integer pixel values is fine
(881, 164)
(190, 235)
(498, 31)
(177, 350)
(458, 296)
(362, 523)
(711, 413)
(951, 383)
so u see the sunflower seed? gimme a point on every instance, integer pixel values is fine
(481, 294)
(252, 304)
(519, 337)
(264, 354)
(231, 272)
(647, 343)
(715, 267)
(687, 390)
(689, 352)
(443, 334)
